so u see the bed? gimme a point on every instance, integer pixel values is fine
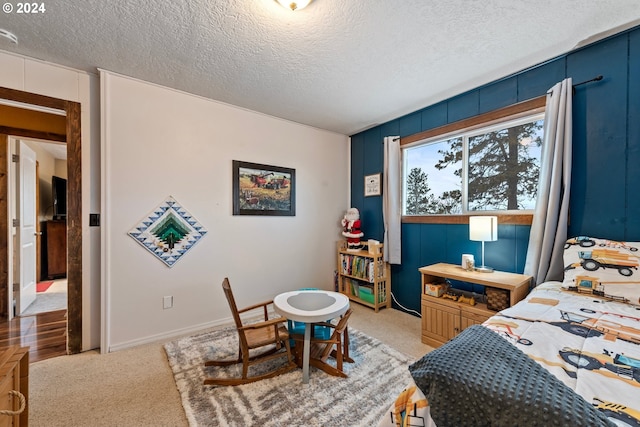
(568, 354)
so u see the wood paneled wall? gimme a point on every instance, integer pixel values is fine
(606, 159)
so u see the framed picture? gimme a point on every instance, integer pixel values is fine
(372, 185)
(263, 189)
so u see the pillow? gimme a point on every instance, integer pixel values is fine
(603, 267)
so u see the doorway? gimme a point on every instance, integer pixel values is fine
(46, 196)
(71, 135)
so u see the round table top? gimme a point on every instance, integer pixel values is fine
(310, 306)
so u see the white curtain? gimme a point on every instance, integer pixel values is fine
(391, 199)
(550, 219)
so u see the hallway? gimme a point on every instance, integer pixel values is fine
(44, 333)
(52, 299)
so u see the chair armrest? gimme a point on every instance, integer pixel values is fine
(254, 306)
(265, 324)
(263, 305)
(327, 324)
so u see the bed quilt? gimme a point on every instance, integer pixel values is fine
(590, 344)
(603, 267)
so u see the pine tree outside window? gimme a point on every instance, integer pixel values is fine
(490, 168)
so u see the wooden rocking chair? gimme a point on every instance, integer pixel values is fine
(337, 346)
(269, 333)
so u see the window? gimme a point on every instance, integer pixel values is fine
(490, 167)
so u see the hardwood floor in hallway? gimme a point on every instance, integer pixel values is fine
(45, 334)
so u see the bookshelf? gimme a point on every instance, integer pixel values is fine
(363, 276)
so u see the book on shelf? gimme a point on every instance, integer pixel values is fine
(361, 267)
(354, 287)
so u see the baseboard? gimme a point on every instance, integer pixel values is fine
(177, 333)
(169, 335)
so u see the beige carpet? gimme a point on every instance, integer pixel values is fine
(135, 387)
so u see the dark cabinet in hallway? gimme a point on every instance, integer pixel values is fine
(54, 249)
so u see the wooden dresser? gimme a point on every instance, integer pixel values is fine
(54, 249)
(443, 319)
(14, 377)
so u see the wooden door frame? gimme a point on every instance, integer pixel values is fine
(73, 140)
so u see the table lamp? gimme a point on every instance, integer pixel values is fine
(483, 229)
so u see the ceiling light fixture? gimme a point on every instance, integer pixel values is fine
(8, 35)
(294, 5)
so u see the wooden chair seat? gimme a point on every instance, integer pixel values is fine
(260, 337)
(336, 346)
(266, 337)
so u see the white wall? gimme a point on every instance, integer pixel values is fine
(61, 168)
(47, 167)
(30, 75)
(158, 142)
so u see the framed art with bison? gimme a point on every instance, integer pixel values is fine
(263, 189)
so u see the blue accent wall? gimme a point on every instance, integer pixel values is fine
(605, 189)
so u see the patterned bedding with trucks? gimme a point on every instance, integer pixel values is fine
(584, 331)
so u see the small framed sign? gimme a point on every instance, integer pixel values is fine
(372, 185)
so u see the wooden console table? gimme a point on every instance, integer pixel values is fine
(443, 319)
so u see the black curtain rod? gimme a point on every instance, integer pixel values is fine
(595, 79)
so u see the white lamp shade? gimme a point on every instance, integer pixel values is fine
(483, 228)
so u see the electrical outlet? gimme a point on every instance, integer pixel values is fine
(167, 302)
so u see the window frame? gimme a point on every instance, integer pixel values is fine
(521, 109)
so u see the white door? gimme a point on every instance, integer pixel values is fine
(27, 226)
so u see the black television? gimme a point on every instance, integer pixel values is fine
(59, 196)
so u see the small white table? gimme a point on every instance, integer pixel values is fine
(310, 306)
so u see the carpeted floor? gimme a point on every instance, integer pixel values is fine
(136, 387)
(379, 373)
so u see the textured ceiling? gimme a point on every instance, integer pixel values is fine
(338, 65)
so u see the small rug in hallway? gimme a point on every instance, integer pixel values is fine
(43, 286)
(375, 379)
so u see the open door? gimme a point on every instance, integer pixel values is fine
(71, 135)
(27, 227)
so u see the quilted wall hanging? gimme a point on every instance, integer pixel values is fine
(168, 232)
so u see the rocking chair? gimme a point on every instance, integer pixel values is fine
(269, 333)
(336, 346)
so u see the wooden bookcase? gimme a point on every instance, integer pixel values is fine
(363, 275)
(443, 319)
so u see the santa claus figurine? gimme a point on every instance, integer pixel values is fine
(351, 229)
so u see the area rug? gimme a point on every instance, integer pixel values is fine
(43, 286)
(375, 379)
